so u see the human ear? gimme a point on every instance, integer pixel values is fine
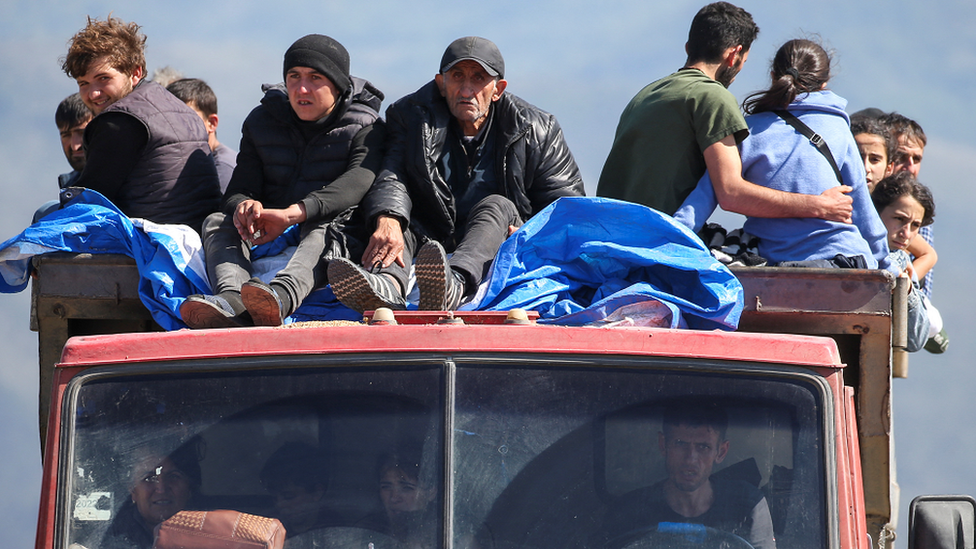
(439, 80)
(723, 450)
(500, 86)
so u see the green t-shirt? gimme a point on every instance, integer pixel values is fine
(656, 158)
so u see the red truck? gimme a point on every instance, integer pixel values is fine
(518, 434)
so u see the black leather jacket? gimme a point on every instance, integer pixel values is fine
(532, 154)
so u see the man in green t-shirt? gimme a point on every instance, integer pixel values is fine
(676, 128)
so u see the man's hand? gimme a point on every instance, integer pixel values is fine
(257, 225)
(246, 218)
(270, 225)
(836, 205)
(385, 244)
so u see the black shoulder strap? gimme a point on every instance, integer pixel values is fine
(814, 138)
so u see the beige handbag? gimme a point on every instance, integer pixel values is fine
(219, 530)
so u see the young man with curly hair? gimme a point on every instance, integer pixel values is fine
(146, 151)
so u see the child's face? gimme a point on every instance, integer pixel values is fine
(903, 219)
(875, 157)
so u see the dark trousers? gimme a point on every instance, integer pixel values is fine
(229, 259)
(837, 262)
(477, 242)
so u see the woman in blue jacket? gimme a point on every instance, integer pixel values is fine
(778, 156)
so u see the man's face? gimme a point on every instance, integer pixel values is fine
(902, 218)
(909, 155)
(311, 94)
(690, 453)
(161, 490)
(875, 157)
(71, 140)
(469, 91)
(726, 74)
(103, 84)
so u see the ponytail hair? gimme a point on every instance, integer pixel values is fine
(800, 66)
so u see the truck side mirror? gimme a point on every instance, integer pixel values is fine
(942, 522)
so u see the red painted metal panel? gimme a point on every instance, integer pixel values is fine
(253, 342)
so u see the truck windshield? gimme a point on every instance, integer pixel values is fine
(461, 452)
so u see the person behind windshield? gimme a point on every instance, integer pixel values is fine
(693, 441)
(777, 156)
(159, 487)
(296, 478)
(407, 503)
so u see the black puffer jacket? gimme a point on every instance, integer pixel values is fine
(532, 154)
(328, 172)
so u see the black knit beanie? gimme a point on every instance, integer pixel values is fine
(319, 52)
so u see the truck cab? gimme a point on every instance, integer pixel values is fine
(500, 432)
(525, 435)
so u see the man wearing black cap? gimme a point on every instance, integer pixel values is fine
(309, 153)
(465, 164)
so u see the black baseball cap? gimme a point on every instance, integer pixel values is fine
(474, 48)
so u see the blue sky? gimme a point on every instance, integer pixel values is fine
(582, 61)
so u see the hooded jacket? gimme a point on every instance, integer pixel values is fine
(533, 161)
(777, 156)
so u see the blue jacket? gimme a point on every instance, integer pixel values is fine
(777, 156)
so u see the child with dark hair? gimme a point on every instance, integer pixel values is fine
(905, 206)
(297, 478)
(877, 146)
(407, 497)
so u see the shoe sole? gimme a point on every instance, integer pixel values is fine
(201, 314)
(262, 305)
(431, 269)
(353, 289)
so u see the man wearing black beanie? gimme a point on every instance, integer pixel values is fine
(323, 54)
(309, 152)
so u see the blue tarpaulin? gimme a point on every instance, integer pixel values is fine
(169, 257)
(580, 260)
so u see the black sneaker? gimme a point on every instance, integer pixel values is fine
(363, 291)
(208, 311)
(441, 289)
(938, 343)
(263, 303)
